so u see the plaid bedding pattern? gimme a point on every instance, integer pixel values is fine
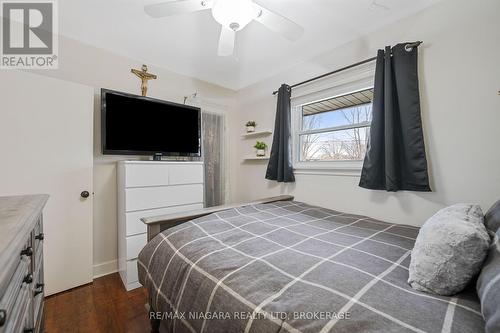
(291, 267)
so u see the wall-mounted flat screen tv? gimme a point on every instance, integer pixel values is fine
(136, 125)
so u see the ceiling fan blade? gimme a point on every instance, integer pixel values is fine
(168, 8)
(280, 24)
(226, 42)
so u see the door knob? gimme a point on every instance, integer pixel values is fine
(85, 194)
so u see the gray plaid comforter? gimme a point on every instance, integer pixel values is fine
(292, 267)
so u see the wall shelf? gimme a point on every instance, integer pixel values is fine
(256, 134)
(256, 158)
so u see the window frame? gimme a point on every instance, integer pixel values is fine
(350, 81)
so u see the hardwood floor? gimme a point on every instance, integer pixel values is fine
(102, 306)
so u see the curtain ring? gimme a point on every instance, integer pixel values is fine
(409, 47)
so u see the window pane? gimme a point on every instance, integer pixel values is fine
(341, 117)
(334, 146)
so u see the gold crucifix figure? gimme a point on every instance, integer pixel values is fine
(145, 77)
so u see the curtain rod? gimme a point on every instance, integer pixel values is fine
(409, 45)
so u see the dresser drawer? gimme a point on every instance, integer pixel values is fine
(37, 257)
(19, 316)
(159, 197)
(38, 293)
(12, 263)
(138, 175)
(135, 244)
(39, 265)
(13, 291)
(135, 226)
(185, 174)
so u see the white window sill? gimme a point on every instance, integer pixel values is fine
(337, 168)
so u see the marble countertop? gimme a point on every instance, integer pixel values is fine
(18, 215)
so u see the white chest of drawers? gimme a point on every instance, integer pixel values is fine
(149, 188)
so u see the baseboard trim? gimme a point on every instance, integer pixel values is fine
(105, 268)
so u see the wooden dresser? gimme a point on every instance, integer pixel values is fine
(21, 263)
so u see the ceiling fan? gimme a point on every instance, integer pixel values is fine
(233, 15)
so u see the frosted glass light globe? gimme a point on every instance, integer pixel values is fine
(234, 14)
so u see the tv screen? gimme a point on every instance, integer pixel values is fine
(136, 125)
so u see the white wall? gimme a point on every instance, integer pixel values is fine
(97, 68)
(459, 80)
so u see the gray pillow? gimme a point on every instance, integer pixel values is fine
(488, 286)
(492, 217)
(449, 250)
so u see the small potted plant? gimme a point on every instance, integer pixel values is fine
(261, 148)
(251, 126)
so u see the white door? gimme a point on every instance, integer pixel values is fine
(46, 136)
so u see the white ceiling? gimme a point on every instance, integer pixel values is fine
(187, 44)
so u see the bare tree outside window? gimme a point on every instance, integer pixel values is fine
(309, 146)
(340, 134)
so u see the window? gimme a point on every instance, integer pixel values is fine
(334, 129)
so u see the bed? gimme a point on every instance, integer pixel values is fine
(286, 266)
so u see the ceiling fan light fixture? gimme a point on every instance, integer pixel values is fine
(234, 14)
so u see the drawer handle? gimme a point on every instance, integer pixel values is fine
(3, 317)
(27, 252)
(39, 288)
(40, 236)
(28, 279)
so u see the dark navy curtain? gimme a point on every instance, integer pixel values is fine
(280, 162)
(395, 158)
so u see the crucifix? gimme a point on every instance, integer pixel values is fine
(145, 77)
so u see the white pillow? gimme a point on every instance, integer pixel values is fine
(449, 250)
